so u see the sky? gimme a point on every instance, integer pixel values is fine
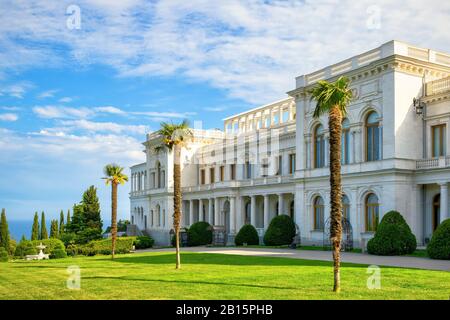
(82, 82)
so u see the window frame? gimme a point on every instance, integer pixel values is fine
(442, 140)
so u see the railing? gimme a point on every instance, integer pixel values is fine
(438, 86)
(442, 162)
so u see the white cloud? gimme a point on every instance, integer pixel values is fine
(110, 109)
(58, 112)
(65, 100)
(251, 49)
(47, 94)
(162, 116)
(9, 117)
(16, 90)
(104, 127)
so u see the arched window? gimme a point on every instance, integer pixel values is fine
(163, 179)
(345, 207)
(163, 217)
(373, 137)
(345, 152)
(248, 209)
(372, 212)
(152, 219)
(319, 147)
(319, 213)
(436, 211)
(292, 210)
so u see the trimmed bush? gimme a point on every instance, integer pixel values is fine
(144, 242)
(393, 237)
(439, 246)
(58, 254)
(281, 231)
(199, 234)
(248, 235)
(51, 245)
(3, 255)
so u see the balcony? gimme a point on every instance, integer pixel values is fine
(438, 86)
(433, 163)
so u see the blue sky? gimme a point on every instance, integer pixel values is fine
(77, 94)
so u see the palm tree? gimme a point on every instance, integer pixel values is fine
(333, 99)
(115, 176)
(173, 138)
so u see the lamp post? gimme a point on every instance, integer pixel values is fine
(419, 106)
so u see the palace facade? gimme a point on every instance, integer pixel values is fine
(274, 159)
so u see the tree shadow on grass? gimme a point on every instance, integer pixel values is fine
(196, 282)
(226, 259)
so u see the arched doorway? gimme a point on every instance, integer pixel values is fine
(436, 211)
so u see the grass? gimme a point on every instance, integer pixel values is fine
(152, 275)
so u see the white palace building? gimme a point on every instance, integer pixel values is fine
(274, 159)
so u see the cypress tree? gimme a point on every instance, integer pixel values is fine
(4, 232)
(61, 223)
(77, 222)
(44, 234)
(54, 229)
(91, 209)
(68, 217)
(35, 229)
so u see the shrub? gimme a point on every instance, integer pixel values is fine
(68, 238)
(199, 234)
(25, 248)
(72, 250)
(248, 235)
(3, 255)
(393, 237)
(51, 245)
(87, 235)
(58, 254)
(144, 242)
(281, 231)
(123, 245)
(439, 246)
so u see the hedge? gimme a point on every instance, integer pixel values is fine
(439, 245)
(393, 237)
(123, 245)
(281, 231)
(248, 235)
(199, 234)
(144, 242)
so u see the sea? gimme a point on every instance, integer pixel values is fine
(18, 228)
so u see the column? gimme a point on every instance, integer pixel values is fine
(132, 182)
(280, 204)
(210, 211)
(191, 212)
(232, 215)
(216, 212)
(444, 201)
(239, 213)
(266, 211)
(253, 211)
(201, 216)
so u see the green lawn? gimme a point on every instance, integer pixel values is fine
(152, 275)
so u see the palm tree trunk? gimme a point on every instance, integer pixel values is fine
(177, 202)
(335, 127)
(113, 217)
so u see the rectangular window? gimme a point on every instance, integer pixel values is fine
(248, 170)
(232, 172)
(202, 176)
(292, 163)
(265, 167)
(276, 119)
(285, 116)
(439, 142)
(222, 173)
(211, 175)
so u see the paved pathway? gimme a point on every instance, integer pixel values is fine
(396, 261)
